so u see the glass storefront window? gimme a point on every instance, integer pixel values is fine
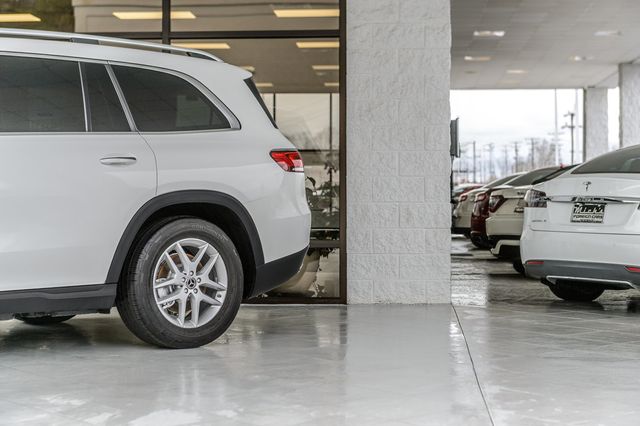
(318, 277)
(106, 16)
(252, 15)
(53, 15)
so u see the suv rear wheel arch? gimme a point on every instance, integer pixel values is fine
(218, 208)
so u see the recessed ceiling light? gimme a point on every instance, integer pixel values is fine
(264, 85)
(149, 15)
(579, 58)
(325, 67)
(487, 33)
(607, 33)
(307, 13)
(331, 84)
(477, 58)
(18, 17)
(203, 45)
(516, 71)
(470, 72)
(249, 68)
(318, 44)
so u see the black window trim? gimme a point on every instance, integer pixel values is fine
(234, 123)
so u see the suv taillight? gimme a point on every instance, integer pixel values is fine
(289, 160)
(535, 198)
(495, 202)
(481, 196)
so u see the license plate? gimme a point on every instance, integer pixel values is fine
(587, 213)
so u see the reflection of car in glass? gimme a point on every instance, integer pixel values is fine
(160, 185)
(506, 214)
(461, 221)
(581, 231)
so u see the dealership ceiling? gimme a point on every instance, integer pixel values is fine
(497, 44)
(530, 44)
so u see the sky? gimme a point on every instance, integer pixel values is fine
(503, 117)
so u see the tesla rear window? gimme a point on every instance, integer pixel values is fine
(529, 178)
(622, 161)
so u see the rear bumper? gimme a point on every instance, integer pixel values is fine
(504, 225)
(272, 274)
(609, 275)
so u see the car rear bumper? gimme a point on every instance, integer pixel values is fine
(504, 225)
(272, 274)
(612, 276)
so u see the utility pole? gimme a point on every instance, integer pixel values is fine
(555, 130)
(516, 146)
(571, 127)
(506, 160)
(533, 162)
(474, 162)
(491, 169)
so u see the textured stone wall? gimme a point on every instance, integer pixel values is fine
(398, 165)
(629, 104)
(596, 122)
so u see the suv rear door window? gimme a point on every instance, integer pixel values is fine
(162, 102)
(40, 95)
(105, 108)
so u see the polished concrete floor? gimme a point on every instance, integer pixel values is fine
(506, 353)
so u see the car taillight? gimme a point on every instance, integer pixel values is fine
(535, 198)
(495, 201)
(289, 160)
(463, 197)
(481, 196)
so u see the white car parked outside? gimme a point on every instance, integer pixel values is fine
(461, 223)
(582, 230)
(506, 217)
(143, 176)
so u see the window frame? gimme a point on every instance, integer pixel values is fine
(234, 123)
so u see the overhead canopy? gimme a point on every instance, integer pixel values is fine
(545, 44)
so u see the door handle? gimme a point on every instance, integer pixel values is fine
(118, 160)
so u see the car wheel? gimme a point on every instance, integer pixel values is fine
(575, 291)
(43, 320)
(519, 267)
(183, 286)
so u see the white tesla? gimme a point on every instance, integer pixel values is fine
(581, 231)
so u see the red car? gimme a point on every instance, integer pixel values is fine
(481, 207)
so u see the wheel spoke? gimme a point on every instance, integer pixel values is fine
(182, 310)
(209, 300)
(176, 295)
(165, 282)
(195, 309)
(213, 285)
(184, 259)
(198, 257)
(171, 263)
(206, 269)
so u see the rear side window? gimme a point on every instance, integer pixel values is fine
(622, 161)
(105, 108)
(256, 93)
(40, 95)
(161, 102)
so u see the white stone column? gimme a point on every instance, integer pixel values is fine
(596, 122)
(629, 75)
(398, 164)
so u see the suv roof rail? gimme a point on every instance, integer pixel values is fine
(110, 41)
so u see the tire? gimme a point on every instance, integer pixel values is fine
(43, 320)
(575, 291)
(480, 244)
(519, 267)
(169, 325)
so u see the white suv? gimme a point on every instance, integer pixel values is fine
(143, 176)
